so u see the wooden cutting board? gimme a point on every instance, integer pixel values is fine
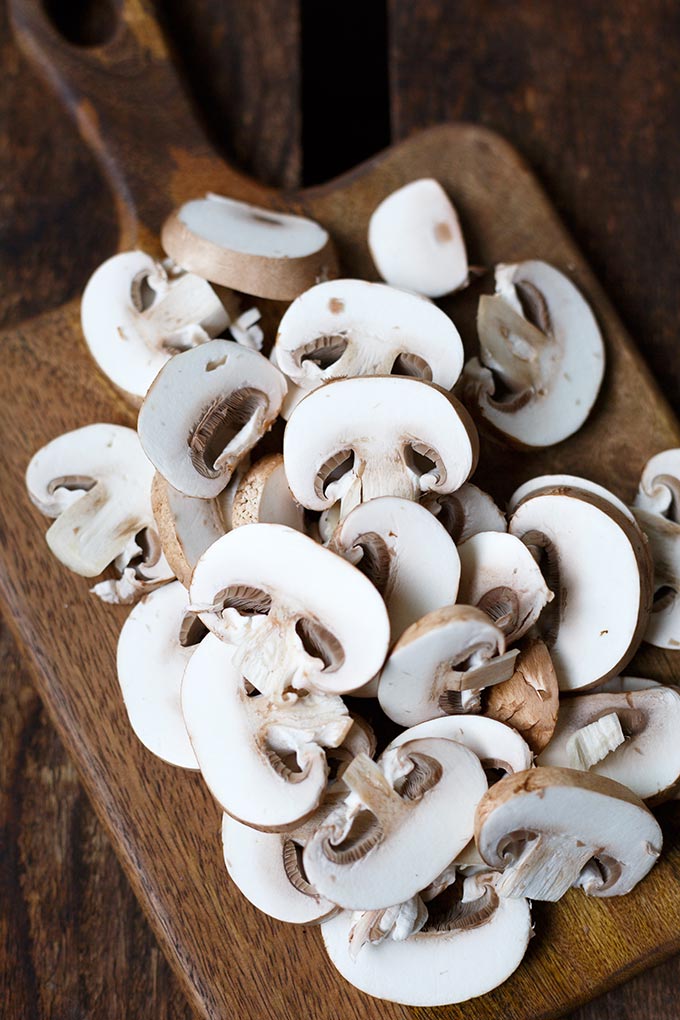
(234, 962)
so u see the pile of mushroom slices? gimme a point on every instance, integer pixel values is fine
(355, 558)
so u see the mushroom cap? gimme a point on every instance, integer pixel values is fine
(264, 866)
(187, 526)
(552, 370)
(500, 576)
(405, 552)
(398, 437)
(573, 817)
(286, 569)
(151, 662)
(131, 343)
(554, 482)
(416, 241)
(659, 491)
(370, 853)
(351, 327)
(599, 569)
(648, 761)
(262, 496)
(495, 744)
(663, 536)
(465, 512)
(206, 410)
(529, 701)
(257, 251)
(420, 670)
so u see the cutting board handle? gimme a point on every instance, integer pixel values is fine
(131, 109)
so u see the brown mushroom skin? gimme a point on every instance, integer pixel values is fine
(529, 700)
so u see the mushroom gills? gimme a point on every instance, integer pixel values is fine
(213, 439)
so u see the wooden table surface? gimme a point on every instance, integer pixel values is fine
(589, 92)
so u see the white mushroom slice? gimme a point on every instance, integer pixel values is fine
(351, 327)
(472, 942)
(539, 338)
(437, 660)
(659, 491)
(553, 482)
(405, 552)
(206, 410)
(262, 496)
(663, 536)
(355, 439)
(187, 526)
(416, 241)
(256, 251)
(466, 512)
(293, 395)
(543, 826)
(500, 576)
(263, 762)
(135, 317)
(529, 700)
(151, 662)
(496, 745)
(370, 852)
(266, 868)
(625, 684)
(299, 615)
(646, 753)
(598, 566)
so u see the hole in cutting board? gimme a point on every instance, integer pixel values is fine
(84, 22)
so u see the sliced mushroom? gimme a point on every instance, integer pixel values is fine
(663, 536)
(496, 745)
(625, 684)
(405, 552)
(187, 526)
(355, 439)
(449, 653)
(263, 762)
(262, 496)
(267, 868)
(351, 327)
(256, 251)
(153, 651)
(529, 701)
(293, 395)
(597, 564)
(544, 826)
(398, 922)
(541, 357)
(500, 576)
(570, 482)
(659, 491)
(466, 512)
(370, 853)
(300, 616)
(206, 410)
(416, 241)
(472, 941)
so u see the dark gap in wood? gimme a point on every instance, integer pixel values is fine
(84, 22)
(345, 86)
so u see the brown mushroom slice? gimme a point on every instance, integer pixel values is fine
(262, 496)
(663, 536)
(465, 512)
(300, 616)
(597, 564)
(450, 653)
(472, 941)
(539, 339)
(370, 852)
(496, 745)
(500, 576)
(266, 867)
(416, 241)
(356, 439)
(263, 762)
(571, 482)
(405, 552)
(257, 251)
(544, 826)
(206, 409)
(351, 328)
(529, 701)
(659, 491)
(187, 526)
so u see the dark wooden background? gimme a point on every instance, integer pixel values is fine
(588, 91)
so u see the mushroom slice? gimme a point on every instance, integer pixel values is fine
(542, 827)
(370, 852)
(626, 684)
(299, 615)
(571, 482)
(152, 655)
(351, 327)
(135, 317)
(405, 552)
(262, 496)
(472, 941)
(539, 340)
(399, 922)
(267, 868)
(263, 762)
(645, 755)
(500, 576)
(187, 526)
(659, 491)
(440, 663)
(597, 564)
(466, 512)
(663, 536)
(416, 241)
(206, 410)
(529, 701)
(496, 745)
(355, 439)
(256, 251)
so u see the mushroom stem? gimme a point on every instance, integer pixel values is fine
(369, 784)
(595, 741)
(490, 672)
(546, 868)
